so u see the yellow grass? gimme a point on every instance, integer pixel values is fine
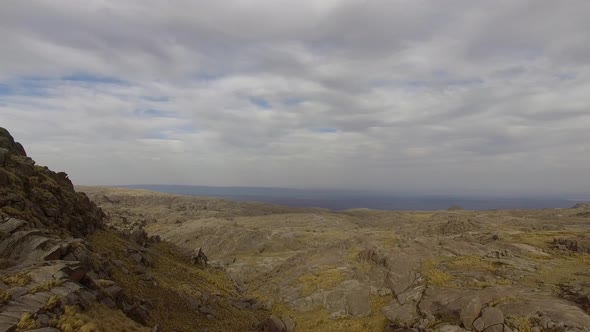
(176, 279)
(320, 320)
(46, 286)
(320, 280)
(16, 280)
(27, 322)
(4, 297)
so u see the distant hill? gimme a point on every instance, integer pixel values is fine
(339, 200)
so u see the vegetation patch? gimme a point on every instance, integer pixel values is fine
(46, 286)
(4, 297)
(431, 270)
(176, 281)
(323, 279)
(320, 320)
(74, 321)
(27, 322)
(52, 302)
(109, 320)
(561, 269)
(542, 239)
(16, 280)
(471, 262)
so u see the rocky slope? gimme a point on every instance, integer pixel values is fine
(364, 270)
(63, 269)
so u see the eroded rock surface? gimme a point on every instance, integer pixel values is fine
(364, 270)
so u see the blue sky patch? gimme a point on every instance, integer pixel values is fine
(5, 90)
(89, 78)
(24, 87)
(153, 113)
(260, 102)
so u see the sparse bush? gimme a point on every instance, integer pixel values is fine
(16, 280)
(28, 322)
(4, 297)
(45, 286)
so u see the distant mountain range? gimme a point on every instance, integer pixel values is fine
(350, 199)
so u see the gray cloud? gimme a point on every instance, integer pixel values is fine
(399, 95)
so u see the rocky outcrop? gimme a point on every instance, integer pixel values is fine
(579, 244)
(62, 269)
(47, 265)
(43, 198)
(199, 257)
(349, 298)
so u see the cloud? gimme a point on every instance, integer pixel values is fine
(398, 95)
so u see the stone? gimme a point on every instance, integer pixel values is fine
(43, 319)
(12, 225)
(451, 328)
(491, 316)
(136, 257)
(108, 302)
(16, 292)
(479, 324)
(207, 311)
(275, 324)
(77, 274)
(289, 324)
(199, 257)
(411, 296)
(358, 302)
(114, 291)
(139, 236)
(544, 322)
(53, 253)
(405, 314)
(470, 312)
(384, 291)
(495, 328)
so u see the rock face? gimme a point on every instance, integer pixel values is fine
(199, 257)
(578, 244)
(45, 266)
(62, 269)
(40, 196)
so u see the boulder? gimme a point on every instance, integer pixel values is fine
(400, 314)
(139, 236)
(451, 328)
(470, 312)
(491, 316)
(275, 324)
(199, 257)
(495, 328)
(289, 324)
(358, 301)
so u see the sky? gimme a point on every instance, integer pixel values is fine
(422, 96)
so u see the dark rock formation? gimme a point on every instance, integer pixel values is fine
(199, 257)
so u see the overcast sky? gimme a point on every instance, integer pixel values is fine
(458, 96)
